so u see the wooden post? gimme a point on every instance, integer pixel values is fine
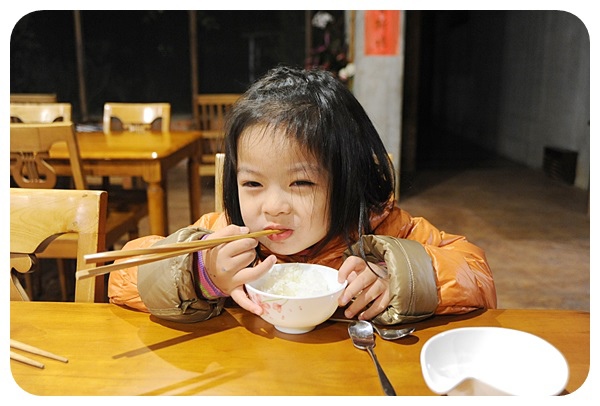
(194, 64)
(307, 35)
(80, 66)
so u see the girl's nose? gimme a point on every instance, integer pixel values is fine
(277, 203)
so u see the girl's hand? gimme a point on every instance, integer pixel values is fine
(365, 287)
(227, 265)
(238, 294)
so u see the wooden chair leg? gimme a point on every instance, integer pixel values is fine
(29, 285)
(17, 292)
(62, 279)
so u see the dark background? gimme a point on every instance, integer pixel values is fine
(144, 56)
(460, 65)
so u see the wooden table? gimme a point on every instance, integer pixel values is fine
(148, 155)
(116, 351)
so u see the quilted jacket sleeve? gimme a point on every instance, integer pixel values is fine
(412, 278)
(431, 271)
(463, 276)
(168, 287)
(123, 283)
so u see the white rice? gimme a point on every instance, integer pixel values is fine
(295, 282)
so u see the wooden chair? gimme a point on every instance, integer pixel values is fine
(210, 113)
(33, 98)
(30, 146)
(136, 117)
(219, 163)
(39, 217)
(39, 112)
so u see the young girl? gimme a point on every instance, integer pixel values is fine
(302, 156)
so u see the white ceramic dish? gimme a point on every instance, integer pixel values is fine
(294, 314)
(492, 361)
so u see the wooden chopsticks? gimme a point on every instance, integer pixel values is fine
(33, 350)
(147, 255)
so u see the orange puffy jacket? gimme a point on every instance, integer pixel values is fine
(431, 271)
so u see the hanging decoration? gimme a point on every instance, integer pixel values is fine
(330, 51)
(382, 29)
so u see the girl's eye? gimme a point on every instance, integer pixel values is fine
(303, 183)
(251, 183)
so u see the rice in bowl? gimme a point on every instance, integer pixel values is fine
(296, 297)
(295, 281)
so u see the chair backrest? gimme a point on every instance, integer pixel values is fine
(211, 110)
(33, 98)
(219, 163)
(38, 216)
(136, 117)
(39, 112)
(30, 146)
(210, 113)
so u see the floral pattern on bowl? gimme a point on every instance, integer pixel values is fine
(297, 315)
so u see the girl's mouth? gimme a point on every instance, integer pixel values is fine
(281, 236)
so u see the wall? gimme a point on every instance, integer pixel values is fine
(512, 82)
(548, 57)
(515, 82)
(378, 86)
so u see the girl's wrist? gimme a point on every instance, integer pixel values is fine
(207, 288)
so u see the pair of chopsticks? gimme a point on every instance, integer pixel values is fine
(146, 255)
(33, 350)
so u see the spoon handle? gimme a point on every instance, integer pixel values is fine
(385, 382)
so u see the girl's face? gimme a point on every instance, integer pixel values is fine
(281, 187)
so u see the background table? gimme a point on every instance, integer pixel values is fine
(117, 351)
(148, 155)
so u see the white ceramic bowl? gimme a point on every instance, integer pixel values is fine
(492, 361)
(306, 299)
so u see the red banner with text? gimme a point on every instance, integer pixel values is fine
(382, 29)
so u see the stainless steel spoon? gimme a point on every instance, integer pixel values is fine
(389, 334)
(361, 333)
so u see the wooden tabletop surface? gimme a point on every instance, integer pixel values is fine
(148, 155)
(128, 145)
(117, 351)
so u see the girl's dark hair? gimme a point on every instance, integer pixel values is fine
(323, 116)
